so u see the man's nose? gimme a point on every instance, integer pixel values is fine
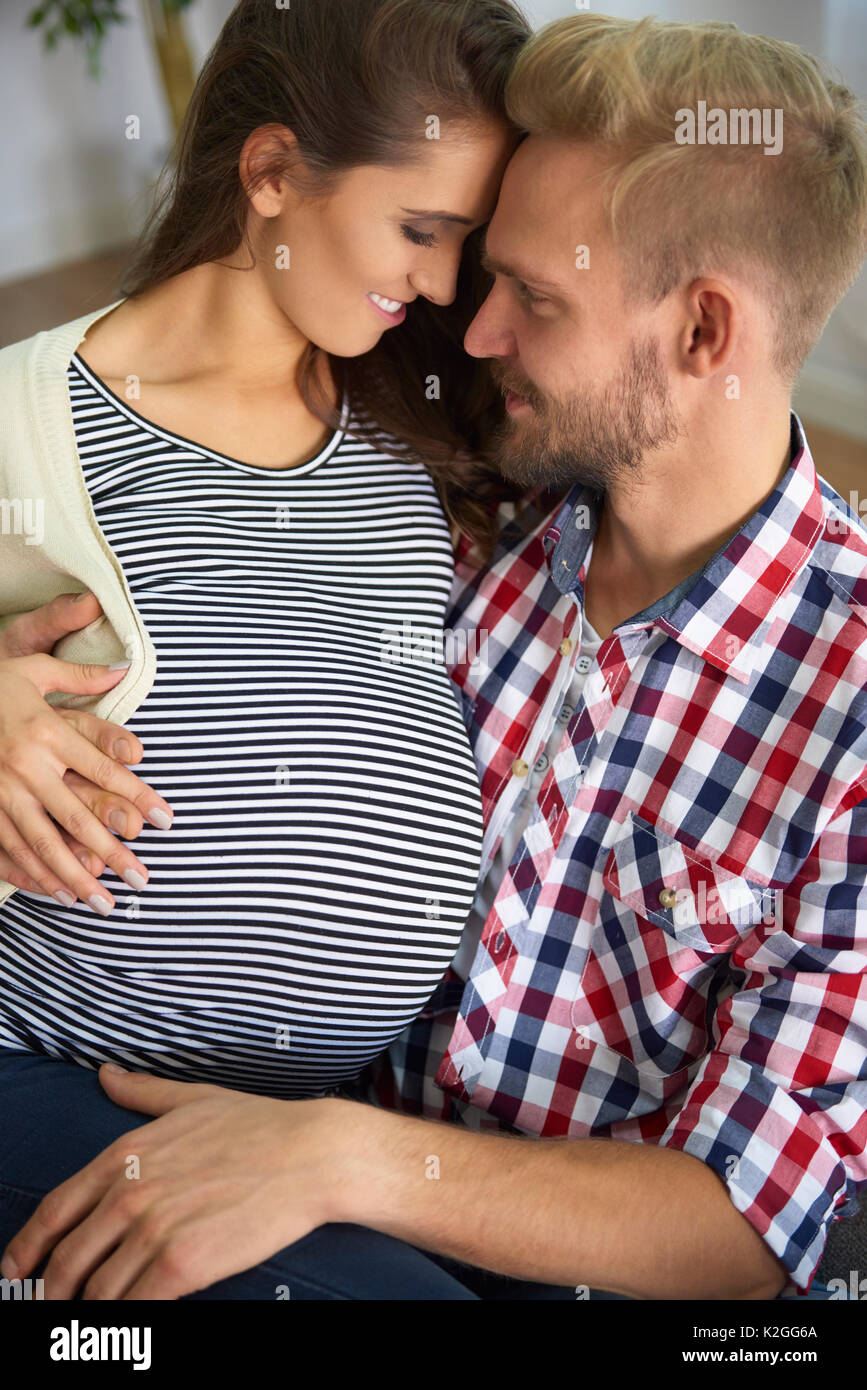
(489, 334)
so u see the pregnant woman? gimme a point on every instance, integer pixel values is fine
(252, 460)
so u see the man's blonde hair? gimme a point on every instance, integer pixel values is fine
(792, 224)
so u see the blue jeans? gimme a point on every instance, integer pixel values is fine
(55, 1118)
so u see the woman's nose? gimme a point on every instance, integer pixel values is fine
(438, 285)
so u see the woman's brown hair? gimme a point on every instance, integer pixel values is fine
(354, 80)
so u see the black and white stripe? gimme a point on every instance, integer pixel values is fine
(327, 834)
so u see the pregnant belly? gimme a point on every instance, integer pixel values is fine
(311, 892)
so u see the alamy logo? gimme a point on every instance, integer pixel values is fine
(410, 645)
(855, 1289)
(22, 1290)
(737, 126)
(736, 906)
(77, 1343)
(23, 517)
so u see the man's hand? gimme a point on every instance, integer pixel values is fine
(66, 764)
(220, 1182)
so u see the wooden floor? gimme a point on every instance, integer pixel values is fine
(56, 296)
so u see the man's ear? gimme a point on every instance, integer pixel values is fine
(711, 328)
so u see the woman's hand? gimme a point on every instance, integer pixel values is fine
(219, 1183)
(66, 764)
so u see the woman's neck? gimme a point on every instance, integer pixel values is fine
(213, 324)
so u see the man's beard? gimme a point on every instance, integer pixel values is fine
(597, 440)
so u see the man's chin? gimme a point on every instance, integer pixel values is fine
(559, 470)
(526, 470)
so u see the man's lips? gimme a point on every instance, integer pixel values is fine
(515, 403)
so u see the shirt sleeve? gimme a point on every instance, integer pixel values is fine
(778, 1108)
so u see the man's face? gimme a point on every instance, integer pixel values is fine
(585, 371)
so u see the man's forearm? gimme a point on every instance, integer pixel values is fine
(635, 1219)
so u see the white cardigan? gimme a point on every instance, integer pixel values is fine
(50, 542)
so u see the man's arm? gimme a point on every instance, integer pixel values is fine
(635, 1219)
(779, 1101)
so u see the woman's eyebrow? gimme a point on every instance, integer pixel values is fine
(438, 215)
(495, 267)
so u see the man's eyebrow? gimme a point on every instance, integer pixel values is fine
(493, 266)
(438, 215)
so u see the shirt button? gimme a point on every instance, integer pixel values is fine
(566, 646)
(520, 768)
(583, 663)
(668, 897)
(541, 762)
(566, 713)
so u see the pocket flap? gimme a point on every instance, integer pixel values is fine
(689, 895)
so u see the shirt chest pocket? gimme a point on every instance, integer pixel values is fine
(654, 880)
(657, 959)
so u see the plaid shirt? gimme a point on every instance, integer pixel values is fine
(676, 954)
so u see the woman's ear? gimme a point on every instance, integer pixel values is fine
(266, 148)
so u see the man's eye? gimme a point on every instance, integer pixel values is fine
(527, 294)
(419, 238)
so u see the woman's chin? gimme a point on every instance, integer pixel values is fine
(352, 343)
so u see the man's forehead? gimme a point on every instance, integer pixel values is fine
(553, 163)
(553, 180)
(549, 202)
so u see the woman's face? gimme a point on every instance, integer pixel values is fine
(343, 271)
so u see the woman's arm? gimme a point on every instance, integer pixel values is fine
(66, 764)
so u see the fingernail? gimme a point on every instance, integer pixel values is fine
(120, 666)
(100, 905)
(117, 820)
(8, 1268)
(83, 858)
(67, 899)
(79, 597)
(134, 879)
(159, 818)
(112, 1066)
(122, 750)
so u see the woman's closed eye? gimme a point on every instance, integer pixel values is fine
(418, 238)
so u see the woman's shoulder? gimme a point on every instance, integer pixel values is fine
(34, 403)
(47, 350)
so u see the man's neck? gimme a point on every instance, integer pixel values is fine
(653, 536)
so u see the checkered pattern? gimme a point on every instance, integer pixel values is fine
(677, 952)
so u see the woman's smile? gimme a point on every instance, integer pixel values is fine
(394, 310)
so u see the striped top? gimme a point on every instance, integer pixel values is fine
(327, 835)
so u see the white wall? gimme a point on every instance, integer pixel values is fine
(73, 185)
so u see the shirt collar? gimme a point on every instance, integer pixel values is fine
(725, 612)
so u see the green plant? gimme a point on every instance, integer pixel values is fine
(86, 20)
